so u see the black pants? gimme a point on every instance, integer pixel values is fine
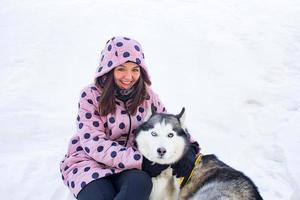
(127, 185)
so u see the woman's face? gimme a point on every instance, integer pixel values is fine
(126, 75)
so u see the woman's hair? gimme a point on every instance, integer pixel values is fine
(107, 102)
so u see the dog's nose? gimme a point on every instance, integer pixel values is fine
(161, 151)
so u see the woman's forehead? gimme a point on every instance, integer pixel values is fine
(129, 64)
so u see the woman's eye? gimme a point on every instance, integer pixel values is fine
(153, 133)
(170, 135)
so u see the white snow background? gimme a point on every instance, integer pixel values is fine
(234, 65)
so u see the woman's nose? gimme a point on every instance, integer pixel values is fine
(128, 75)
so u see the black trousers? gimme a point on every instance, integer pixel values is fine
(127, 185)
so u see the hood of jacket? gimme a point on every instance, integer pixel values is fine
(117, 51)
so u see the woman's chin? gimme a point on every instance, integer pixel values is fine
(125, 87)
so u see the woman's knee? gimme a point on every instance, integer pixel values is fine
(139, 178)
(100, 189)
(133, 185)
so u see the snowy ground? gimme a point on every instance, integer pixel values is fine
(235, 66)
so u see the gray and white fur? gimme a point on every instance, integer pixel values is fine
(163, 139)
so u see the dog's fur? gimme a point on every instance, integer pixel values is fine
(214, 180)
(163, 139)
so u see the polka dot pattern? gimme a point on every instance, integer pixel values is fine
(121, 125)
(87, 149)
(138, 61)
(110, 63)
(141, 109)
(119, 44)
(113, 154)
(75, 171)
(112, 120)
(100, 149)
(123, 112)
(66, 168)
(74, 141)
(90, 101)
(126, 54)
(121, 165)
(137, 157)
(88, 115)
(83, 184)
(86, 169)
(137, 47)
(96, 124)
(87, 136)
(95, 175)
(79, 148)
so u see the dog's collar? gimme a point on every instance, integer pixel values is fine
(185, 180)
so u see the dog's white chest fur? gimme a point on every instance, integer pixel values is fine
(165, 186)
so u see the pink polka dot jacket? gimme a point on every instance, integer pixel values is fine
(104, 145)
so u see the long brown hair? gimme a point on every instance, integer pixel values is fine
(107, 101)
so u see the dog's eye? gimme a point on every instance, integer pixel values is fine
(170, 135)
(153, 133)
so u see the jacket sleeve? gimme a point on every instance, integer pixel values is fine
(91, 130)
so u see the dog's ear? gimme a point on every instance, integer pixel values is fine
(150, 112)
(153, 109)
(181, 117)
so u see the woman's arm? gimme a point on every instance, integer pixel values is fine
(91, 130)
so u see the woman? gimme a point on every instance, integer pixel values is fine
(102, 161)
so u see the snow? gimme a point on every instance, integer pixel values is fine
(234, 65)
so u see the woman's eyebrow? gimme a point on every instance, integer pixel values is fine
(137, 66)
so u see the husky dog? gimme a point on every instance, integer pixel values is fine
(163, 139)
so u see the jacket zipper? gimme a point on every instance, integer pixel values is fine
(129, 123)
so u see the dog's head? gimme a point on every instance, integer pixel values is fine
(162, 138)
